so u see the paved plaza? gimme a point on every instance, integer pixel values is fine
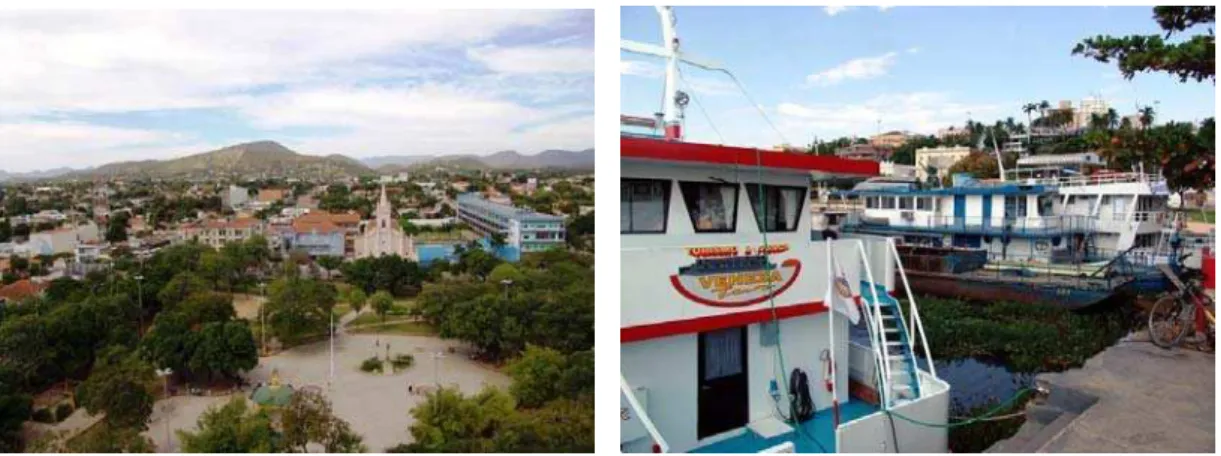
(377, 406)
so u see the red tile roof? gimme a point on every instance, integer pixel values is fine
(20, 289)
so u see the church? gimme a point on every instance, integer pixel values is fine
(384, 236)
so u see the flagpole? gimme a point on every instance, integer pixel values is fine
(831, 332)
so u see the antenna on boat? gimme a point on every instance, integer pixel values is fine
(1000, 164)
(675, 100)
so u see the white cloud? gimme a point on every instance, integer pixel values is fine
(883, 8)
(861, 68)
(638, 68)
(917, 111)
(535, 59)
(835, 9)
(344, 70)
(27, 145)
(913, 50)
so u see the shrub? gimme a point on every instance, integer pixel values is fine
(43, 415)
(402, 361)
(373, 364)
(63, 410)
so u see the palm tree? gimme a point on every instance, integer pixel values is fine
(1125, 124)
(1112, 118)
(1029, 108)
(1146, 116)
(1098, 121)
(1043, 107)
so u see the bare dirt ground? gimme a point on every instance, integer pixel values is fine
(247, 306)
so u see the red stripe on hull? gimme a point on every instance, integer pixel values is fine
(711, 323)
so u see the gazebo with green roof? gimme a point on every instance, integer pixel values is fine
(273, 394)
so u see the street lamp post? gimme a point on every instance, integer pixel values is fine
(165, 409)
(506, 283)
(140, 297)
(436, 363)
(262, 319)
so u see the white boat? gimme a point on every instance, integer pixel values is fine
(727, 303)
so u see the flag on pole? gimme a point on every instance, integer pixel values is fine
(839, 292)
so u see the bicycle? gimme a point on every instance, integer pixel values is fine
(1187, 310)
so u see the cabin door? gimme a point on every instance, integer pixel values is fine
(987, 210)
(960, 210)
(723, 395)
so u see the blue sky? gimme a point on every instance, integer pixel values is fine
(87, 88)
(831, 72)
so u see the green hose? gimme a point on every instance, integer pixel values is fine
(974, 420)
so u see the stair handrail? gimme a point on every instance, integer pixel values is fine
(879, 328)
(915, 324)
(649, 427)
(876, 338)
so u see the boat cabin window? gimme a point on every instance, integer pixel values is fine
(713, 206)
(1015, 206)
(643, 205)
(871, 202)
(905, 203)
(924, 203)
(888, 202)
(781, 206)
(1046, 204)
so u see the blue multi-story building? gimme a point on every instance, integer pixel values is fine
(524, 230)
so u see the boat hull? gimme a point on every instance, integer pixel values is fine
(967, 286)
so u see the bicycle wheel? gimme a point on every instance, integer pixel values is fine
(1169, 321)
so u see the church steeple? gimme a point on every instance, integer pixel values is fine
(383, 212)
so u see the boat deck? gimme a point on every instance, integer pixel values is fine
(815, 436)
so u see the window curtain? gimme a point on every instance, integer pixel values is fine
(722, 353)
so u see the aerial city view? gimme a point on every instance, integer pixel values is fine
(229, 232)
(917, 229)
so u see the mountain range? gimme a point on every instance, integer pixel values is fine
(273, 158)
(507, 159)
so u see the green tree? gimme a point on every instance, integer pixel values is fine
(15, 409)
(181, 286)
(448, 422)
(109, 439)
(381, 303)
(329, 263)
(224, 349)
(170, 342)
(297, 308)
(116, 228)
(120, 387)
(232, 428)
(1194, 58)
(202, 308)
(357, 299)
(6, 230)
(308, 419)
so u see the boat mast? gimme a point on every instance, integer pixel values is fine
(672, 115)
(1000, 164)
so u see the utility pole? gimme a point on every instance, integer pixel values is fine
(331, 378)
(140, 297)
(262, 319)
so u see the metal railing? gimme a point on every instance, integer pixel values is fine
(992, 226)
(916, 326)
(649, 427)
(1077, 181)
(877, 334)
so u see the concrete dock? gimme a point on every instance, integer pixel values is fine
(1132, 398)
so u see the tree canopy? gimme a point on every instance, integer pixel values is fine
(1192, 59)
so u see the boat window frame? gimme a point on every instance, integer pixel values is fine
(667, 188)
(884, 199)
(733, 222)
(911, 203)
(928, 203)
(802, 196)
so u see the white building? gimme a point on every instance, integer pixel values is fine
(235, 196)
(940, 158)
(892, 169)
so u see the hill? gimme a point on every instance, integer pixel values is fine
(253, 158)
(504, 160)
